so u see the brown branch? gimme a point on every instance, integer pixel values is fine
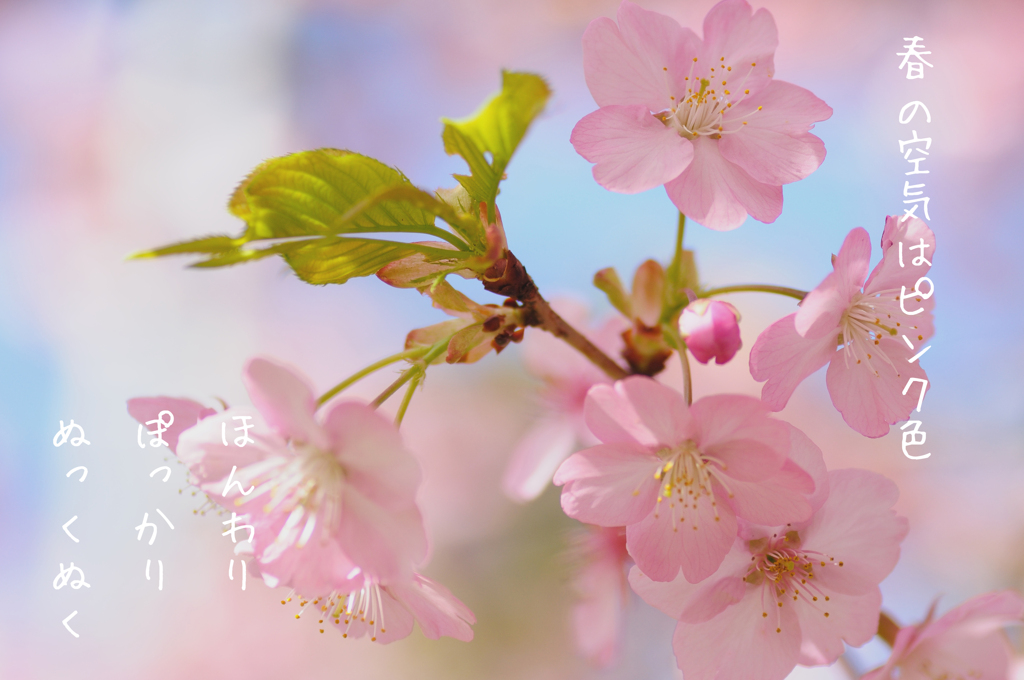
(887, 629)
(508, 277)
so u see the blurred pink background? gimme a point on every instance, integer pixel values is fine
(126, 124)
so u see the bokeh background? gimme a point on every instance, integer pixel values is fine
(126, 124)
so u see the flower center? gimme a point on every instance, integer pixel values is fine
(864, 324)
(309, 488)
(357, 609)
(785, 572)
(687, 476)
(702, 109)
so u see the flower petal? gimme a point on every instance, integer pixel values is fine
(739, 643)
(610, 485)
(626, 64)
(773, 157)
(736, 36)
(718, 193)
(785, 108)
(869, 393)
(889, 274)
(784, 358)
(285, 398)
(661, 409)
(851, 618)
(822, 310)
(633, 150)
(695, 539)
(612, 418)
(739, 431)
(438, 612)
(201, 447)
(856, 526)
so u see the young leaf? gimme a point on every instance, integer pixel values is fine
(495, 130)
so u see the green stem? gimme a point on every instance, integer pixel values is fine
(677, 340)
(356, 377)
(680, 230)
(406, 398)
(419, 368)
(756, 288)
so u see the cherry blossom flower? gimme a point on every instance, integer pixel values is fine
(879, 334)
(711, 330)
(790, 594)
(567, 377)
(600, 582)
(331, 495)
(677, 476)
(703, 117)
(966, 642)
(386, 613)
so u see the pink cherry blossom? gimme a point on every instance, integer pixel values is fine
(603, 591)
(711, 330)
(790, 594)
(677, 476)
(966, 642)
(386, 613)
(703, 117)
(331, 494)
(185, 413)
(880, 337)
(567, 376)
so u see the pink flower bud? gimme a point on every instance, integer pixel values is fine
(711, 330)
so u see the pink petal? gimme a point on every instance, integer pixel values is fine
(773, 502)
(733, 31)
(851, 618)
(317, 568)
(185, 411)
(701, 600)
(870, 402)
(739, 431)
(978, 616)
(784, 358)
(673, 537)
(661, 409)
(285, 398)
(773, 157)
(395, 619)
(370, 449)
(633, 150)
(806, 455)
(888, 274)
(609, 485)
(537, 456)
(385, 542)
(785, 108)
(857, 526)
(201, 447)
(821, 311)
(739, 643)
(718, 193)
(438, 612)
(612, 418)
(626, 64)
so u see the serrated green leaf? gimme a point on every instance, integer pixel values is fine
(496, 129)
(206, 244)
(313, 199)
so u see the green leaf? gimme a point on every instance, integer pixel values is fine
(314, 199)
(206, 244)
(496, 129)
